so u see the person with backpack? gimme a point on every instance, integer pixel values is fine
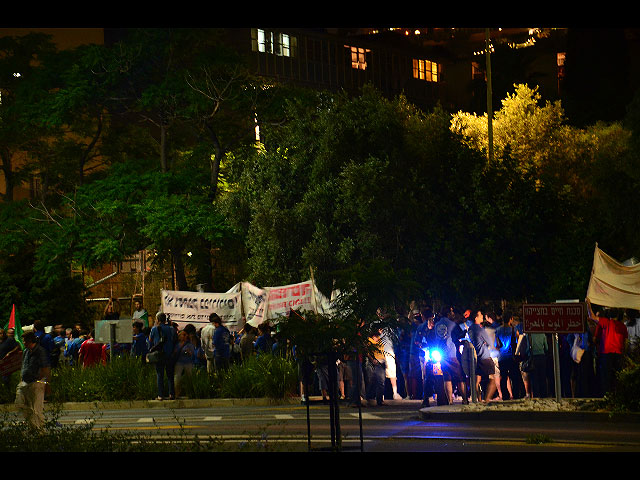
(163, 338)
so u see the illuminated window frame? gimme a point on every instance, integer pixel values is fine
(358, 57)
(426, 70)
(275, 43)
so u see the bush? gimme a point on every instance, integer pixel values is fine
(125, 378)
(271, 376)
(627, 394)
(122, 378)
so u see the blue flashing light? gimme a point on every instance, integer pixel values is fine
(436, 355)
(432, 355)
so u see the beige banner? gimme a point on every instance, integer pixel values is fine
(613, 284)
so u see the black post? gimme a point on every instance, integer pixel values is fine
(305, 384)
(336, 441)
(358, 376)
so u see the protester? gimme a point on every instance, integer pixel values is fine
(633, 327)
(199, 360)
(451, 368)
(45, 339)
(163, 338)
(183, 355)
(583, 377)
(538, 374)
(112, 309)
(485, 365)
(72, 347)
(8, 346)
(206, 337)
(8, 342)
(221, 344)
(139, 345)
(511, 383)
(375, 367)
(246, 342)
(611, 337)
(430, 342)
(91, 352)
(491, 325)
(140, 313)
(416, 355)
(58, 345)
(264, 342)
(34, 376)
(390, 362)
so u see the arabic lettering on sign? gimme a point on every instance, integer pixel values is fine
(553, 318)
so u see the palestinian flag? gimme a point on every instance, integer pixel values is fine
(14, 322)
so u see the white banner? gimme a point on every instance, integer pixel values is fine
(297, 296)
(254, 302)
(195, 308)
(243, 300)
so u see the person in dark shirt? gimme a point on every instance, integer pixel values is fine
(7, 346)
(221, 345)
(34, 375)
(139, 347)
(8, 342)
(485, 365)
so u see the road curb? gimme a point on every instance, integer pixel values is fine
(167, 404)
(456, 414)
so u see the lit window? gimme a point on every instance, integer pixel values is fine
(560, 59)
(280, 44)
(358, 57)
(426, 70)
(477, 73)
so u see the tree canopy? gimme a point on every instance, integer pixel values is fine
(150, 144)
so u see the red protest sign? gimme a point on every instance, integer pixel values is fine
(553, 317)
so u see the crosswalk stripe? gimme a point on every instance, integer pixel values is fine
(365, 415)
(284, 417)
(211, 419)
(145, 420)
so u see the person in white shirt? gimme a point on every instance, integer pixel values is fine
(206, 340)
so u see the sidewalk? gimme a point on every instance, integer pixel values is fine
(528, 410)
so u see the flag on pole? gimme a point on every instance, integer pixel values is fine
(14, 322)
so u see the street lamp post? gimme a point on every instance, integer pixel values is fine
(489, 95)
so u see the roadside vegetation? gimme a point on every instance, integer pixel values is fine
(126, 379)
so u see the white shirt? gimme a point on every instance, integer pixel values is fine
(206, 338)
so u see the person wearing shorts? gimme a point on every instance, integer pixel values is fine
(485, 365)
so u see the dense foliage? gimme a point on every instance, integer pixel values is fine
(149, 143)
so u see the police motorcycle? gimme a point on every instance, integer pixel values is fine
(433, 370)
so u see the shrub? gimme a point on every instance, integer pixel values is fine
(627, 394)
(125, 378)
(266, 375)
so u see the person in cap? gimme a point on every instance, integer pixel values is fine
(34, 376)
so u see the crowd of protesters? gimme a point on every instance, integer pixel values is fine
(508, 363)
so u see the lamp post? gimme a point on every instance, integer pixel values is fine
(489, 95)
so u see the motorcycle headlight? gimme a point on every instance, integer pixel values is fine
(436, 355)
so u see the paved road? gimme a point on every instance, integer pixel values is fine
(400, 426)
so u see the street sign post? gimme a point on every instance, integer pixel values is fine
(554, 318)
